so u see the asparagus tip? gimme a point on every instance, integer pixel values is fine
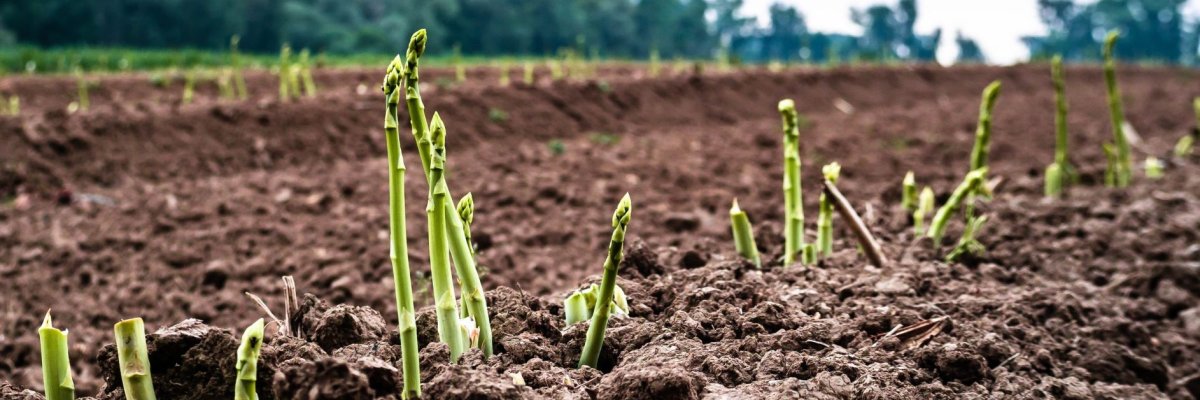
(621, 216)
(437, 128)
(47, 323)
(787, 105)
(391, 79)
(735, 209)
(831, 171)
(466, 208)
(416, 45)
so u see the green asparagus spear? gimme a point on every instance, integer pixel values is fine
(972, 183)
(743, 234)
(399, 233)
(595, 334)
(908, 192)
(793, 199)
(825, 212)
(247, 362)
(1120, 170)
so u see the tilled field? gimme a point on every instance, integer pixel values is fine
(143, 207)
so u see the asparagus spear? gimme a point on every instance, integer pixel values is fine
(908, 193)
(399, 233)
(247, 362)
(56, 365)
(135, 362)
(825, 212)
(1060, 173)
(925, 206)
(595, 334)
(1120, 170)
(238, 80)
(983, 132)
(972, 183)
(285, 53)
(743, 234)
(793, 199)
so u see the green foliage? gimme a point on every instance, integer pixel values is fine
(556, 147)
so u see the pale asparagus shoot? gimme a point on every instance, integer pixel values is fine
(56, 364)
(247, 362)
(793, 199)
(825, 212)
(925, 206)
(908, 192)
(743, 234)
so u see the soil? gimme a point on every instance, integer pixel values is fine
(143, 207)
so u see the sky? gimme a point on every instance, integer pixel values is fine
(997, 25)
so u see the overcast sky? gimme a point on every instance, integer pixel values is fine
(997, 25)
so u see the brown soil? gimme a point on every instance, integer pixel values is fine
(172, 212)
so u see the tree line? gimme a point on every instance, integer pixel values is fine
(1153, 29)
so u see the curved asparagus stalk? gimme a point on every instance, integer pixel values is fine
(56, 364)
(908, 193)
(793, 199)
(412, 99)
(971, 183)
(595, 334)
(135, 362)
(466, 212)
(825, 212)
(1121, 171)
(439, 259)
(399, 233)
(743, 234)
(983, 132)
(247, 362)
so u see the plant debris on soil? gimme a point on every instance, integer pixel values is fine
(142, 207)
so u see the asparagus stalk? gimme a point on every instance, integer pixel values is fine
(14, 105)
(972, 183)
(460, 71)
(983, 132)
(925, 206)
(460, 247)
(528, 73)
(1060, 173)
(135, 362)
(56, 365)
(793, 199)
(247, 362)
(439, 259)
(412, 100)
(399, 233)
(305, 68)
(504, 80)
(908, 193)
(1120, 167)
(285, 53)
(967, 244)
(1183, 147)
(1153, 168)
(743, 234)
(655, 63)
(238, 80)
(825, 212)
(595, 334)
(294, 80)
(189, 86)
(466, 212)
(81, 84)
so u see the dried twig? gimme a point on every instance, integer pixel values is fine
(917, 334)
(869, 245)
(263, 305)
(291, 305)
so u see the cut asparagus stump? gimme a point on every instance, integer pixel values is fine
(247, 362)
(56, 364)
(743, 234)
(398, 233)
(134, 361)
(595, 335)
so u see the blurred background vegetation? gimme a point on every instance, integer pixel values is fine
(60, 35)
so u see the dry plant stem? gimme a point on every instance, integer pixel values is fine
(743, 234)
(595, 334)
(865, 239)
(398, 232)
(1120, 171)
(793, 199)
(56, 365)
(971, 184)
(291, 305)
(247, 362)
(134, 361)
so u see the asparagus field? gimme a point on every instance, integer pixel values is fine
(186, 213)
